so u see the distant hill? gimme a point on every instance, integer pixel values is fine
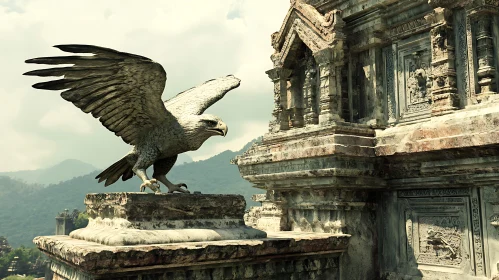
(28, 210)
(60, 172)
(183, 158)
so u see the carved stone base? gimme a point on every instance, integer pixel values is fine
(140, 218)
(156, 236)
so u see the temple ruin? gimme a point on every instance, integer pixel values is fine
(385, 128)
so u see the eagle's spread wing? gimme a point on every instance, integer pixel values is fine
(122, 90)
(196, 100)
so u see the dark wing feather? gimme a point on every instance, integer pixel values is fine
(123, 90)
(196, 100)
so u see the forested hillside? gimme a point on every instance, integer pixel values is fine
(28, 210)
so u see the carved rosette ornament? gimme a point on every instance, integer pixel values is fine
(443, 77)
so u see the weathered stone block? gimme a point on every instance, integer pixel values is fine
(140, 218)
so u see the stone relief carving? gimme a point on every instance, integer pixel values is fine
(441, 240)
(438, 234)
(417, 82)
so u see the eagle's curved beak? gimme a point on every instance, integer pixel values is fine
(221, 129)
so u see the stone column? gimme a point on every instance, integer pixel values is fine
(481, 15)
(329, 88)
(485, 55)
(309, 93)
(296, 102)
(280, 116)
(443, 77)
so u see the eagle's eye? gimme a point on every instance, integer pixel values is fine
(211, 122)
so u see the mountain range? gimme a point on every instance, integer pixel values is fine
(60, 172)
(29, 209)
(64, 171)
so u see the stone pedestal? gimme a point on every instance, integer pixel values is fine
(185, 236)
(140, 218)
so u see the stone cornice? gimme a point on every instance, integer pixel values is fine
(423, 154)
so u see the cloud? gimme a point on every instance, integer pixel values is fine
(18, 150)
(66, 118)
(194, 40)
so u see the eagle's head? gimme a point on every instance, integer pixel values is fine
(198, 128)
(213, 125)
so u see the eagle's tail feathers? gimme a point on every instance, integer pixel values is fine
(128, 174)
(114, 172)
(116, 175)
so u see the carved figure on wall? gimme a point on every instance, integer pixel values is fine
(418, 81)
(440, 244)
(124, 92)
(440, 240)
(417, 84)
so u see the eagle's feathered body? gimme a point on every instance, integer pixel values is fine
(124, 92)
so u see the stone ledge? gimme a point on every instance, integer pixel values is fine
(462, 129)
(122, 237)
(96, 258)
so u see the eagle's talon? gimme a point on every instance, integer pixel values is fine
(152, 184)
(178, 188)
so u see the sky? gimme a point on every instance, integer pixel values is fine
(194, 41)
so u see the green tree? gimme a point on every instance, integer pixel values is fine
(30, 261)
(81, 221)
(4, 246)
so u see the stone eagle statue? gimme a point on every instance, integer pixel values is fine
(124, 91)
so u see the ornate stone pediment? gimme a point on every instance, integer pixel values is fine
(304, 23)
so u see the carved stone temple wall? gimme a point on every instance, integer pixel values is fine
(385, 127)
